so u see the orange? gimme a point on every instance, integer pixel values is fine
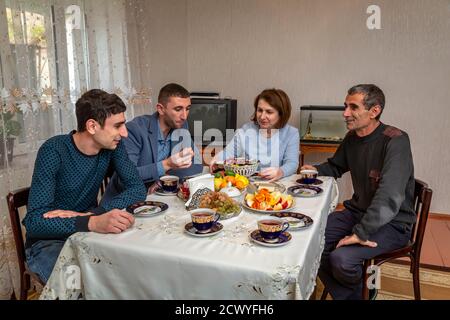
(260, 197)
(240, 185)
(230, 179)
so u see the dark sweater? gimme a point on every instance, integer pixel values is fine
(382, 172)
(65, 178)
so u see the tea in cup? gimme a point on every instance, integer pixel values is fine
(271, 228)
(308, 176)
(169, 183)
(204, 219)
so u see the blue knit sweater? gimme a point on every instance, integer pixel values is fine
(65, 178)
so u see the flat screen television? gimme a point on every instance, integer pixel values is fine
(208, 114)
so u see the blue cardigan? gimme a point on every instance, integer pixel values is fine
(142, 148)
(281, 150)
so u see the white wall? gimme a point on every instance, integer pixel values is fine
(315, 50)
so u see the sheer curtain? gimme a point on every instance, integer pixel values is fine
(51, 51)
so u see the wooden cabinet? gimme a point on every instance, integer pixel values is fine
(306, 148)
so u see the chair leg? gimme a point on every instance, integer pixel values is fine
(416, 279)
(324, 294)
(24, 286)
(365, 290)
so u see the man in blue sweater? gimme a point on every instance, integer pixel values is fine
(379, 216)
(68, 172)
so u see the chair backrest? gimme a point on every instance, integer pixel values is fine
(422, 202)
(17, 199)
(106, 179)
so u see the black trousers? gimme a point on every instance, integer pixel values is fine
(341, 269)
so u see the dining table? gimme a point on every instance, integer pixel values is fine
(157, 258)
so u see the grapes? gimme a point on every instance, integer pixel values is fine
(219, 201)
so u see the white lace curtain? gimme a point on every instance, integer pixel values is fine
(51, 51)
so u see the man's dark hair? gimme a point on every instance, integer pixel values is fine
(172, 90)
(98, 105)
(373, 96)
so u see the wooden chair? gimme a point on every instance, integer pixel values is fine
(17, 199)
(106, 179)
(422, 202)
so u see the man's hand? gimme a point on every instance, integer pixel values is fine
(353, 239)
(308, 167)
(213, 165)
(271, 174)
(114, 221)
(155, 186)
(64, 214)
(180, 160)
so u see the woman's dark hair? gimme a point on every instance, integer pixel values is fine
(277, 99)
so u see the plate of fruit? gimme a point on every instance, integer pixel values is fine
(228, 178)
(265, 201)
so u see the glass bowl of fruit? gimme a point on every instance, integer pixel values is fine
(228, 178)
(220, 202)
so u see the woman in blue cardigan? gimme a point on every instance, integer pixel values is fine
(268, 138)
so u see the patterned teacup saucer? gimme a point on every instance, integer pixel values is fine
(215, 229)
(304, 191)
(296, 220)
(283, 239)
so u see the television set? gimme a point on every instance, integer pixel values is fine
(206, 114)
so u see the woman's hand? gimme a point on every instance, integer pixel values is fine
(271, 173)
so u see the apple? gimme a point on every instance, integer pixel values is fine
(278, 207)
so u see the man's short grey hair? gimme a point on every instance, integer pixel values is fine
(373, 96)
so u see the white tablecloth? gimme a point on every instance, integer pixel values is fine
(156, 259)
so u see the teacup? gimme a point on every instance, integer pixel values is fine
(169, 183)
(308, 176)
(271, 228)
(204, 219)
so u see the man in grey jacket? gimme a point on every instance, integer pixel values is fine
(379, 216)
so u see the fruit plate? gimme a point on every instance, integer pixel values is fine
(244, 204)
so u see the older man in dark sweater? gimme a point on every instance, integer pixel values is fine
(380, 215)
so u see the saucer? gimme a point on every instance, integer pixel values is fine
(271, 186)
(216, 228)
(257, 178)
(147, 208)
(296, 220)
(304, 191)
(315, 183)
(161, 192)
(283, 239)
